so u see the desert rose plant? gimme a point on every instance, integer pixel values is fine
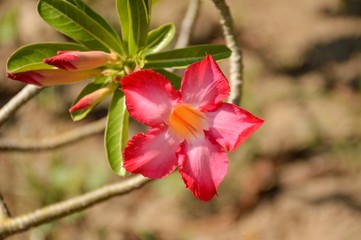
(192, 121)
(186, 114)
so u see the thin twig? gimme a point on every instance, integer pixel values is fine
(4, 211)
(27, 93)
(54, 142)
(236, 61)
(188, 24)
(22, 223)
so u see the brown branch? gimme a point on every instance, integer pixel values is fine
(188, 24)
(54, 142)
(236, 60)
(22, 223)
(4, 211)
(27, 93)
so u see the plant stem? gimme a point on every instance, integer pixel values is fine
(236, 59)
(19, 224)
(54, 142)
(188, 24)
(9, 109)
(4, 211)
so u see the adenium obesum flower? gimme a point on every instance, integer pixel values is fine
(93, 98)
(79, 60)
(48, 77)
(191, 128)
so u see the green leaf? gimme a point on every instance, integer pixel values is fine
(75, 23)
(139, 25)
(91, 13)
(175, 79)
(159, 38)
(184, 56)
(91, 87)
(31, 57)
(148, 5)
(122, 7)
(116, 133)
(134, 18)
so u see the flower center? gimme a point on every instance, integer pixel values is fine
(186, 121)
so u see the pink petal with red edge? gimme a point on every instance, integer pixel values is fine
(230, 125)
(203, 165)
(204, 84)
(149, 97)
(152, 154)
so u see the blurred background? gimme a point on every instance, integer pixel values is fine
(298, 177)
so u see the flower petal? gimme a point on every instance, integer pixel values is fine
(152, 154)
(203, 165)
(149, 97)
(230, 125)
(204, 85)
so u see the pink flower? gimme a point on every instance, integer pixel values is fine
(47, 77)
(191, 127)
(93, 98)
(77, 60)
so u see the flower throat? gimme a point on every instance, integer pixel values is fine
(186, 121)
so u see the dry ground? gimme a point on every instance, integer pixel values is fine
(298, 178)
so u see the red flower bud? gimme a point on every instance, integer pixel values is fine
(93, 98)
(48, 77)
(77, 60)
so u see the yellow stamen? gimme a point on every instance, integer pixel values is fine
(186, 121)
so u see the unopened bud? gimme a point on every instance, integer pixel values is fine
(78, 60)
(93, 98)
(48, 77)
